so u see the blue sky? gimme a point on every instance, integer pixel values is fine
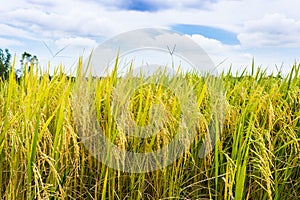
(232, 32)
(226, 37)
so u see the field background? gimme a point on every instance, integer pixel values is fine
(256, 157)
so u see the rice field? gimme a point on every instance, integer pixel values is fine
(257, 155)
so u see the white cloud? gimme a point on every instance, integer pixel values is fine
(272, 30)
(90, 18)
(10, 5)
(196, 4)
(224, 55)
(10, 31)
(57, 24)
(75, 42)
(56, 19)
(5, 43)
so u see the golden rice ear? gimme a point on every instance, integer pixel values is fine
(43, 157)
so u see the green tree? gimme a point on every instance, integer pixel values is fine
(28, 60)
(4, 63)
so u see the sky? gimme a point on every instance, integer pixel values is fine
(232, 32)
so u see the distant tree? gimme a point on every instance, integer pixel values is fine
(28, 60)
(4, 63)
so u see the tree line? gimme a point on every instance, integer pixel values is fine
(26, 61)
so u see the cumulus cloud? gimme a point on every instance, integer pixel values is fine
(11, 31)
(91, 18)
(224, 55)
(5, 43)
(76, 42)
(271, 30)
(56, 24)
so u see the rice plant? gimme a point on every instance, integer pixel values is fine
(257, 156)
